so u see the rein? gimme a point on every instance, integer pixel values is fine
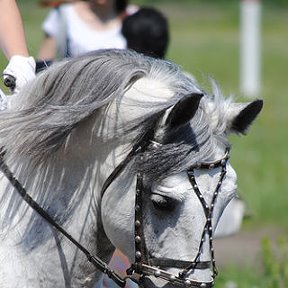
(96, 261)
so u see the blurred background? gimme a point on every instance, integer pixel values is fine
(205, 41)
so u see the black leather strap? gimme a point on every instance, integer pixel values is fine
(140, 146)
(181, 264)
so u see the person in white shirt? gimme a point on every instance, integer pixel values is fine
(79, 27)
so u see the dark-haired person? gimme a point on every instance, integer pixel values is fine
(147, 32)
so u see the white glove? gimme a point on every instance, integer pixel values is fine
(22, 69)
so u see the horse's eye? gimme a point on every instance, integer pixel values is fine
(163, 203)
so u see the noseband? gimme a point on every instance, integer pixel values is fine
(144, 265)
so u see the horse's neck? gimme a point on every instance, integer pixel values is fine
(75, 173)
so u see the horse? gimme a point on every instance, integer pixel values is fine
(109, 150)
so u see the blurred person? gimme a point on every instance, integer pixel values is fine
(21, 66)
(79, 27)
(147, 31)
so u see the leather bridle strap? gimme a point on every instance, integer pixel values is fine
(208, 209)
(141, 252)
(173, 279)
(117, 171)
(180, 264)
(145, 265)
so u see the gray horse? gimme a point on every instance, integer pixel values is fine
(121, 151)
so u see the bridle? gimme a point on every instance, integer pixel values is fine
(144, 265)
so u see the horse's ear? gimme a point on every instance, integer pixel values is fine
(242, 115)
(184, 110)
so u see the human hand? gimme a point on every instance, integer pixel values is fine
(22, 69)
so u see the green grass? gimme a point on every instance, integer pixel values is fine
(235, 275)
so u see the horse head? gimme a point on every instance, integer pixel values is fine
(165, 219)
